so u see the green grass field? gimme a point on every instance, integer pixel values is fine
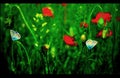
(41, 48)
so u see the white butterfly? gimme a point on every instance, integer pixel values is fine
(91, 43)
(15, 35)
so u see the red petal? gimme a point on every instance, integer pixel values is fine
(105, 15)
(47, 12)
(94, 20)
(69, 40)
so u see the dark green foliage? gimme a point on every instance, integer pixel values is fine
(29, 55)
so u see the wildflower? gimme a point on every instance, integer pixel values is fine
(105, 15)
(47, 11)
(39, 16)
(69, 40)
(44, 24)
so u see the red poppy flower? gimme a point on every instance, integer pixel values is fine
(64, 4)
(99, 34)
(118, 18)
(46, 11)
(84, 24)
(69, 40)
(105, 15)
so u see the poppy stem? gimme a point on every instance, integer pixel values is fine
(29, 61)
(12, 65)
(90, 35)
(28, 26)
(12, 52)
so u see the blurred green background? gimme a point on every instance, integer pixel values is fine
(41, 49)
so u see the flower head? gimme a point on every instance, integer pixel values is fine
(105, 15)
(47, 11)
(69, 40)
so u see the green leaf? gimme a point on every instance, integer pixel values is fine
(71, 30)
(100, 22)
(93, 66)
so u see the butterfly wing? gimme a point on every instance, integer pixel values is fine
(91, 43)
(15, 35)
(94, 43)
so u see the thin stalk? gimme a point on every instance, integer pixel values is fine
(114, 40)
(29, 61)
(90, 17)
(12, 65)
(28, 26)
(12, 52)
